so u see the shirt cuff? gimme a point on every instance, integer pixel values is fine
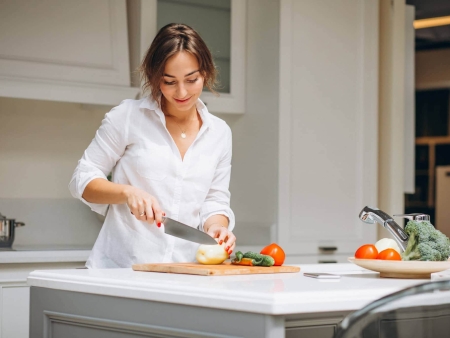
(98, 208)
(228, 213)
(78, 184)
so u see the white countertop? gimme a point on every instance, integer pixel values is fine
(274, 294)
(53, 254)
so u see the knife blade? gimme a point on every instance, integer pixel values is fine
(183, 231)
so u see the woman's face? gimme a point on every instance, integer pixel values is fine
(182, 83)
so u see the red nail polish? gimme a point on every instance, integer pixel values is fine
(227, 248)
(159, 225)
(220, 242)
(230, 252)
(164, 214)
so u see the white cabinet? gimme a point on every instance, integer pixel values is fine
(233, 101)
(15, 302)
(328, 129)
(87, 51)
(74, 51)
(15, 295)
(219, 20)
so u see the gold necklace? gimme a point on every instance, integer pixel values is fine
(183, 133)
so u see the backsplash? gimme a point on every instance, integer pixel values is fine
(41, 143)
(50, 222)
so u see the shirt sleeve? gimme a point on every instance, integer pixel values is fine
(217, 201)
(102, 154)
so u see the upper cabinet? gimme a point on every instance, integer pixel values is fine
(74, 51)
(88, 50)
(221, 23)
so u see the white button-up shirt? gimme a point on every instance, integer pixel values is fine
(134, 144)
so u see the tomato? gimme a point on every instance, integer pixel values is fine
(276, 252)
(367, 251)
(389, 254)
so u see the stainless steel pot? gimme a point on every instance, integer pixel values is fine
(7, 227)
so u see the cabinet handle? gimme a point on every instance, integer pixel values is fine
(328, 248)
(327, 262)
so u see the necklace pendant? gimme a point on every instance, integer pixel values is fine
(183, 135)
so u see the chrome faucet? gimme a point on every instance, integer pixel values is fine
(371, 215)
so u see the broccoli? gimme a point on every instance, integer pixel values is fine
(425, 243)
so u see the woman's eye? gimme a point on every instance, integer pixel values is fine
(173, 82)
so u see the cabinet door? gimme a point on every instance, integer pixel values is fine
(324, 331)
(328, 124)
(75, 41)
(222, 24)
(15, 312)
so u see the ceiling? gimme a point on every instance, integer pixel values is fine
(434, 37)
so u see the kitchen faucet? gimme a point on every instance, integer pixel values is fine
(371, 215)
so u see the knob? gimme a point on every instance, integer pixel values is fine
(415, 217)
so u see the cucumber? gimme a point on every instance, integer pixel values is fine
(257, 259)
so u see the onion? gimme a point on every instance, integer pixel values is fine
(211, 254)
(387, 243)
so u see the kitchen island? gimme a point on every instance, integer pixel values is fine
(127, 303)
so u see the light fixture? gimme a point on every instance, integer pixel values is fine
(432, 22)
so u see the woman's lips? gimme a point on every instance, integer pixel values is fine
(182, 101)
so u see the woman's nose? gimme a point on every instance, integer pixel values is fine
(181, 91)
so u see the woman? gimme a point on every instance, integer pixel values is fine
(168, 156)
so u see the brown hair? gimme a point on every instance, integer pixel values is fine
(171, 39)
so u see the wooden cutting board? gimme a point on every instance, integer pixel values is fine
(223, 269)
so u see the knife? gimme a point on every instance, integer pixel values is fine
(183, 231)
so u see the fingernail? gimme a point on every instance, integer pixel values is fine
(159, 225)
(230, 252)
(220, 242)
(227, 248)
(164, 214)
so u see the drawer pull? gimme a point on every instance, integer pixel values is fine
(328, 248)
(327, 262)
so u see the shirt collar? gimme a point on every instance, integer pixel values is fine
(204, 114)
(151, 104)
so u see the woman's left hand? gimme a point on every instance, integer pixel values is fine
(223, 235)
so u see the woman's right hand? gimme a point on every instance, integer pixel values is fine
(143, 206)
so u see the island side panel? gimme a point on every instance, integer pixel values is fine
(317, 325)
(59, 314)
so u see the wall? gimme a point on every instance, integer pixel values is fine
(41, 142)
(255, 134)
